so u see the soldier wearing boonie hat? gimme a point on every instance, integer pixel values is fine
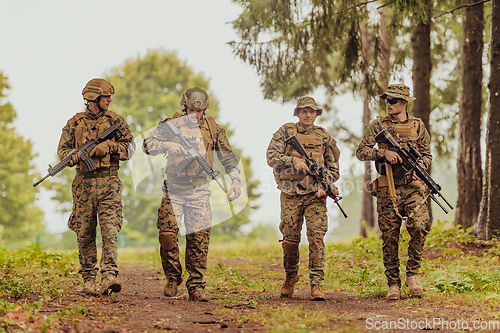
(398, 91)
(298, 203)
(399, 198)
(307, 102)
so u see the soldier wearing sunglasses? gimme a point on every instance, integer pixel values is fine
(402, 199)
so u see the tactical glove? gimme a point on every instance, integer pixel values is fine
(106, 147)
(174, 148)
(74, 159)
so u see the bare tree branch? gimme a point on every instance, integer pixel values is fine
(385, 4)
(461, 6)
(359, 5)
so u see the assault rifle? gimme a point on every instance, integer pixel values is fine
(410, 158)
(192, 154)
(316, 174)
(84, 152)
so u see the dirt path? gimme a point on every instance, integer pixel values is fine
(141, 307)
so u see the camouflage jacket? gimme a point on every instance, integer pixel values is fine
(154, 144)
(126, 145)
(276, 157)
(367, 152)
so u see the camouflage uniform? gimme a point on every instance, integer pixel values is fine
(410, 196)
(97, 196)
(298, 204)
(188, 197)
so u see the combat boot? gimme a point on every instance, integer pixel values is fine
(394, 292)
(110, 284)
(413, 285)
(198, 295)
(287, 287)
(317, 293)
(171, 287)
(90, 287)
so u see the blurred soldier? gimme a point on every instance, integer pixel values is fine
(97, 195)
(187, 193)
(399, 199)
(297, 203)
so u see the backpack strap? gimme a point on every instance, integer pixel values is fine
(212, 127)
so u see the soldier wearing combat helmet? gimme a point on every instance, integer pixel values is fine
(97, 195)
(298, 203)
(187, 192)
(399, 198)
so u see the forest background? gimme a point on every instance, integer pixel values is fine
(336, 54)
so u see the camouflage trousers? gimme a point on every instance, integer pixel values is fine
(97, 199)
(294, 210)
(191, 207)
(409, 200)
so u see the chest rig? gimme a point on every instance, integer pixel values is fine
(313, 144)
(201, 137)
(404, 134)
(87, 129)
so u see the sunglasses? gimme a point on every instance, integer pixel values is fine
(393, 101)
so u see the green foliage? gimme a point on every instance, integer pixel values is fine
(32, 270)
(440, 235)
(20, 218)
(470, 281)
(299, 46)
(15, 286)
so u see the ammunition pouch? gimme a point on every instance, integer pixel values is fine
(382, 170)
(168, 239)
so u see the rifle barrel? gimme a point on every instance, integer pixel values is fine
(41, 180)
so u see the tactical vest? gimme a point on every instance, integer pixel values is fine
(404, 134)
(88, 129)
(313, 144)
(202, 138)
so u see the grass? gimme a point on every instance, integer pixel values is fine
(243, 277)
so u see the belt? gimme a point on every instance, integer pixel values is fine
(97, 174)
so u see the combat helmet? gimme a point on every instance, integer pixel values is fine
(96, 88)
(195, 98)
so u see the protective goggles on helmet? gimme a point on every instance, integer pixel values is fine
(392, 101)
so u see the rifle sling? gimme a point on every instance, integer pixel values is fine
(392, 188)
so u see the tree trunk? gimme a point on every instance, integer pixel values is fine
(367, 214)
(469, 168)
(422, 67)
(488, 224)
(367, 210)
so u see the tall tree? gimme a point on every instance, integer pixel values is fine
(469, 168)
(20, 218)
(148, 89)
(488, 224)
(422, 68)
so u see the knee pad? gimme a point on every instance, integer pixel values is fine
(289, 247)
(168, 239)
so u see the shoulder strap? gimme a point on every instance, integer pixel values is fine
(320, 134)
(291, 129)
(79, 116)
(212, 127)
(109, 113)
(177, 115)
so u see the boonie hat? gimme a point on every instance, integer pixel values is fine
(306, 102)
(397, 91)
